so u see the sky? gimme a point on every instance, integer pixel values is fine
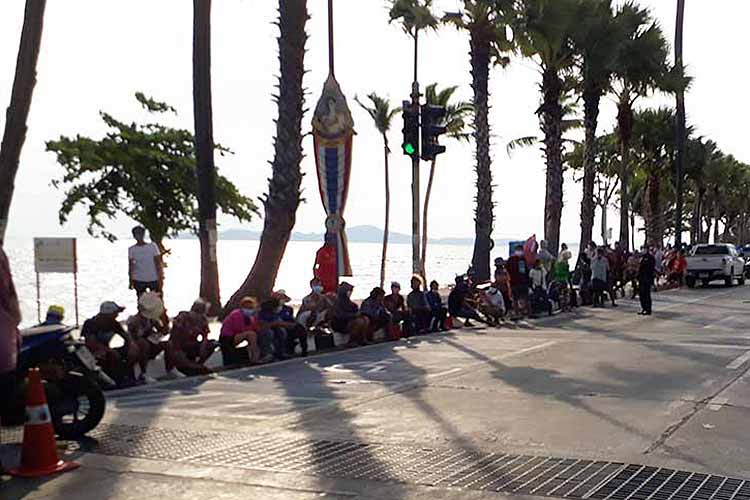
(96, 54)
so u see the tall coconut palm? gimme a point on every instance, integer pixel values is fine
(457, 114)
(414, 16)
(680, 120)
(486, 21)
(544, 32)
(20, 102)
(596, 41)
(204, 152)
(284, 195)
(639, 67)
(382, 116)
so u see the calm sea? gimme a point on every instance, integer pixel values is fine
(103, 272)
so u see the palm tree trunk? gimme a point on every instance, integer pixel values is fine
(484, 217)
(590, 119)
(604, 226)
(632, 231)
(204, 152)
(425, 210)
(386, 150)
(625, 128)
(654, 216)
(695, 222)
(20, 102)
(551, 115)
(680, 125)
(283, 197)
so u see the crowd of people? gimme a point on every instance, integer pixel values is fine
(531, 282)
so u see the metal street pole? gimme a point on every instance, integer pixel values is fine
(680, 126)
(415, 193)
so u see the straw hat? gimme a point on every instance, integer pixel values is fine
(151, 306)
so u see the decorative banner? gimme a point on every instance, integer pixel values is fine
(333, 129)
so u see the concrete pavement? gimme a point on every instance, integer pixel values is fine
(459, 415)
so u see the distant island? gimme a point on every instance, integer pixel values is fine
(355, 234)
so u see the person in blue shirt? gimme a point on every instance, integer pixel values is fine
(286, 320)
(438, 310)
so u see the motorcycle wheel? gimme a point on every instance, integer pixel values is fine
(79, 411)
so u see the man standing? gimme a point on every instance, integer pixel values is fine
(646, 275)
(599, 273)
(519, 281)
(145, 270)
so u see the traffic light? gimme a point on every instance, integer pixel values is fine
(410, 146)
(433, 126)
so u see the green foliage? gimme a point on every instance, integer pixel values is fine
(488, 20)
(143, 171)
(544, 29)
(380, 111)
(414, 15)
(457, 113)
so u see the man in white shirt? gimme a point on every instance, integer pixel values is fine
(145, 270)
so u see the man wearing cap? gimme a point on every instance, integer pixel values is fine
(55, 316)
(189, 341)
(147, 328)
(295, 331)
(98, 332)
(346, 317)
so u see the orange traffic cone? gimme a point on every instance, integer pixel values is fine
(39, 453)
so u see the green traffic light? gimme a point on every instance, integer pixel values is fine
(409, 148)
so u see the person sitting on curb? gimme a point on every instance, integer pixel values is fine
(419, 310)
(316, 307)
(438, 311)
(376, 313)
(459, 305)
(294, 331)
(492, 305)
(347, 319)
(272, 336)
(55, 316)
(189, 341)
(98, 332)
(148, 327)
(241, 325)
(396, 306)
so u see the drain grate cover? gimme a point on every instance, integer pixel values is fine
(463, 469)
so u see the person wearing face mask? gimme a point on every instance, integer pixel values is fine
(272, 337)
(519, 281)
(241, 325)
(294, 331)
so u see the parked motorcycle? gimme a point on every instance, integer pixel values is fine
(73, 382)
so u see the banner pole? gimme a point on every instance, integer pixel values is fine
(75, 295)
(38, 300)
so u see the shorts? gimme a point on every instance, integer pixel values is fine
(142, 286)
(520, 292)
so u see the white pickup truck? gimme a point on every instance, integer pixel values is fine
(720, 261)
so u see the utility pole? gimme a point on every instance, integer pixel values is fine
(680, 125)
(415, 192)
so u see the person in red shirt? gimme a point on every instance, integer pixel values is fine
(326, 265)
(677, 268)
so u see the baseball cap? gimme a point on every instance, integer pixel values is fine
(110, 307)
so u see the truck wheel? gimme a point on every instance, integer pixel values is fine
(741, 280)
(729, 281)
(690, 282)
(704, 283)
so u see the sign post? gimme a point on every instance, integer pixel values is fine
(55, 255)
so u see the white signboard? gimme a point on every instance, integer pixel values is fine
(55, 255)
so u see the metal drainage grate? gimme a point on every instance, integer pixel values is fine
(462, 469)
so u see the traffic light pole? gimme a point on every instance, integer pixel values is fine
(415, 193)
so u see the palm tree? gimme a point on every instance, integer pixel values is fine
(487, 22)
(414, 16)
(20, 102)
(284, 195)
(544, 32)
(680, 120)
(456, 121)
(639, 66)
(382, 116)
(596, 41)
(204, 152)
